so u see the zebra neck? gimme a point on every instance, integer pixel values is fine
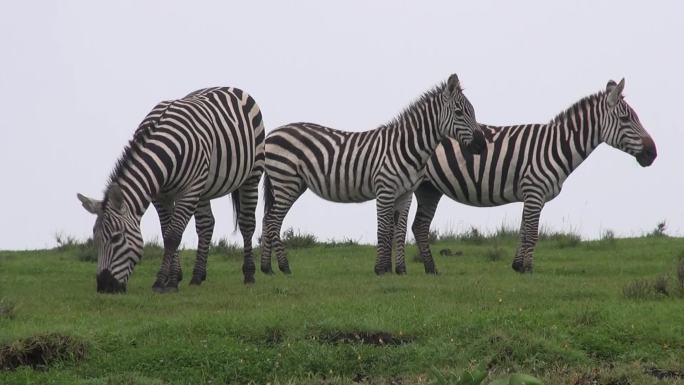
(418, 131)
(581, 133)
(137, 196)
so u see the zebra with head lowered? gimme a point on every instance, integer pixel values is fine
(385, 164)
(528, 163)
(184, 153)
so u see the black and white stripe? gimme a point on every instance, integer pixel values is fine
(385, 164)
(184, 153)
(528, 163)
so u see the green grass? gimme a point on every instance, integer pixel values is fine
(568, 323)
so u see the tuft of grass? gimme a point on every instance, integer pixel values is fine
(342, 243)
(494, 254)
(8, 309)
(84, 251)
(660, 285)
(227, 249)
(608, 237)
(638, 289)
(680, 274)
(433, 237)
(298, 240)
(41, 351)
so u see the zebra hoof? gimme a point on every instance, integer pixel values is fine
(249, 280)
(196, 281)
(285, 270)
(400, 271)
(169, 289)
(518, 266)
(381, 271)
(180, 275)
(267, 270)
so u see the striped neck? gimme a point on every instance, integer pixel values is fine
(138, 183)
(418, 127)
(580, 128)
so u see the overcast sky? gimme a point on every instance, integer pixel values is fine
(76, 78)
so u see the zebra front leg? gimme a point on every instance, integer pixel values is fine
(400, 217)
(529, 234)
(273, 221)
(164, 209)
(428, 198)
(385, 210)
(167, 278)
(245, 201)
(204, 224)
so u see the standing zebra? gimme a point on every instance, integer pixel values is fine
(528, 163)
(184, 153)
(385, 164)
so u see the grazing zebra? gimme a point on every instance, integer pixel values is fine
(528, 163)
(385, 164)
(184, 153)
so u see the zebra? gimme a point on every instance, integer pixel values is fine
(527, 163)
(184, 153)
(385, 164)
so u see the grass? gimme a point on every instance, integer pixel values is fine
(568, 323)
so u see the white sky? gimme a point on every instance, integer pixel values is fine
(76, 78)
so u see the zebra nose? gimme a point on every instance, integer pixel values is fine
(106, 283)
(648, 152)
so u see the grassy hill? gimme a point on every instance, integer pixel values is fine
(600, 312)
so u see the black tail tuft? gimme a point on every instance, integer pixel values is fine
(268, 194)
(236, 208)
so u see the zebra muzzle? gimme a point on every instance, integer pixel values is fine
(106, 283)
(648, 153)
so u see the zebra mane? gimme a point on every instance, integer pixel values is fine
(139, 137)
(421, 100)
(569, 111)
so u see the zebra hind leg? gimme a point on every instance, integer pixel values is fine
(385, 215)
(529, 234)
(428, 198)
(245, 202)
(400, 218)
(204, 224)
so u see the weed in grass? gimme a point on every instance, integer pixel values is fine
(450, 253)
(659, 230)
(39, 352)
(589, 317)
(7, 309)
(298, 240)
(608, 238)
(473, 236)
(433, 237)
(363, 337)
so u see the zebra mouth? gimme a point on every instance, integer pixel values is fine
(106, 283)
(648, 154)
(478, 144)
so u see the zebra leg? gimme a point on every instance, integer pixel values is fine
(529, 234)
(400, 217)
(385, 209)
(248, 194)
(165, 211)
(167, 278)
(283, 198)
(428, 198)
(204, 224)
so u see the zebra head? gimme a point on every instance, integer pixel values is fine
(118, 239)
(621, 128)
(457, 118)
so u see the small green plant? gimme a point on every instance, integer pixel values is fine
(473, 236)
(608, 237)
(660, 285)
(433, 237)
(298, 240)
(83, 251)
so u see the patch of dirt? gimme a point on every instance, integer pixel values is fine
(39, 352)
(664, 374)
(360, 337)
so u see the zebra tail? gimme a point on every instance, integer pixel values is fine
(236, 208)
(268, 194)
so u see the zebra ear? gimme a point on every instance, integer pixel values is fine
(91, 205)
(615, 91)
(115, 197)
(453, 85)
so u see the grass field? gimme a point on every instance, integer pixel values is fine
(592, 313)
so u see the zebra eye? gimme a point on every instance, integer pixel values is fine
(117, 237)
